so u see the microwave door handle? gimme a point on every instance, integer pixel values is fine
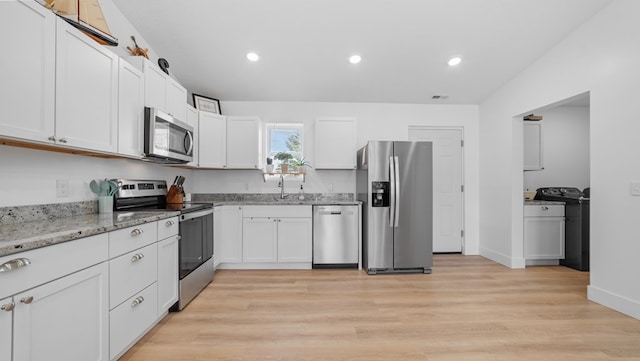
(190, 136)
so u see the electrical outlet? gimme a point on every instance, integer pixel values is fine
(62, 188)
(330, 187)
(635, 188)
(246, 186)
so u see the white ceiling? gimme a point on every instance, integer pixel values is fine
(304, 45)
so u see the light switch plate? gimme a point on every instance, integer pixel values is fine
(635, 188)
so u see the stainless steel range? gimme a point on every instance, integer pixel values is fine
(196, 231)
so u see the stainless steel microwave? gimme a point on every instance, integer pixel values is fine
(166, 139)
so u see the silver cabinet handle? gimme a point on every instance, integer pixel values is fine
(136, 257)
(136, 232)
(14, 264)
(168, 223)
(544, 208)
(52, 138)
(26, 300)
(137, 301)
(62, 140)
(8, 307)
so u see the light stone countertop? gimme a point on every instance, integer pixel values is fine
(20, 237)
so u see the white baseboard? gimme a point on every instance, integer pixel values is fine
(503, 259)
(614, 301)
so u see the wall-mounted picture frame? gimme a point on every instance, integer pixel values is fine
(207, 104)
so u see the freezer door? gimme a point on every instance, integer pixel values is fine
(413, 236)
(378, 236)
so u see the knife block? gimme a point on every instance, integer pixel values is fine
(175, 194)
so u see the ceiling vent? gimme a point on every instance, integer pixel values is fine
(440, 97)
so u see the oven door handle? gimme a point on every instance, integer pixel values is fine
(192, 215)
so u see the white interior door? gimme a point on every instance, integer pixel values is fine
(448, 186)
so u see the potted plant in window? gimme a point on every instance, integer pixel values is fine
(300, 163)
(269, 168)
(284, 158)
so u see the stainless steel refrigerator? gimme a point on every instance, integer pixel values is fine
(394, 182)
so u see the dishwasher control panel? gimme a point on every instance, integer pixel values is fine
(380, 194)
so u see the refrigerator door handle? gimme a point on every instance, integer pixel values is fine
(397, 193)
(392, 191)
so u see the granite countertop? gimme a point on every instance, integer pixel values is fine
(286, 203)
(19, 237)
(541, 203)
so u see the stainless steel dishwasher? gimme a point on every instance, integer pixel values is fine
(335, 236)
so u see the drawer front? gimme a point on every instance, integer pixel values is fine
(276, 211)
(132, 272)
(48, 263)
(544, 210)
(126, 240)
(131, 319)
(167, 228)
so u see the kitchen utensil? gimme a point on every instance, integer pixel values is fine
(104, 188)
(95, 188)
(175, 181)
(114, 187)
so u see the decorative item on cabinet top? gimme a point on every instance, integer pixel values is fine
(207, 104)
(138, 51)
(90, 21)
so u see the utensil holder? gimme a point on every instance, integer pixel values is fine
(105, 204)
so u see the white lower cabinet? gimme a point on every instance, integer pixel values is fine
(294, 239)
(6, 325)
(277, 235)
(132, 272)
(130, 320)
(260, 239)
(167, 273)
(227, 243)
(543, 232)
(66, 319)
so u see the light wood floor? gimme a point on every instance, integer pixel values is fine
(469, 309)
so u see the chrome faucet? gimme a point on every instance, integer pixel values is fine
(281, 186)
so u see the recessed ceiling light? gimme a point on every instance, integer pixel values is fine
(253, 57)
(355, 59)
(455, 61)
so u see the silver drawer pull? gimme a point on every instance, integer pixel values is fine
(544, 208)
(136, 257)
(136, 232)
(14, 264)
(169, 223)
(137, 301)
(27, 300)
(8, 307)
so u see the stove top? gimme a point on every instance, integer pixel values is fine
(150, 195)
(562, 194)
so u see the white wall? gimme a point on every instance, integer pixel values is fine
(599, 57)
(29, 176)
(565, 148)
(375, 122)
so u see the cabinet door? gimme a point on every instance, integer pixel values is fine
(6, 321)
(543, 237)
(192, 120)
(86, 91)
(243, 143)
(27, 88)
(294, 239)
(212, 140)
(335, 143)
(259, 239)
(532, 143)
(130, 110)
(66, 319)
(167, 273)
(154, 86)
(176, 99)
(227, 243)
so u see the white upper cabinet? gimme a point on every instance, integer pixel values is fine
(192, 120)
(532, 143)
(130, 110)
(335, 143)
(27, 88)
(212, 140)
(86, 91)
(160, 90)
(243, 143)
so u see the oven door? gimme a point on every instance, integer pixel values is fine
(196, 240)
